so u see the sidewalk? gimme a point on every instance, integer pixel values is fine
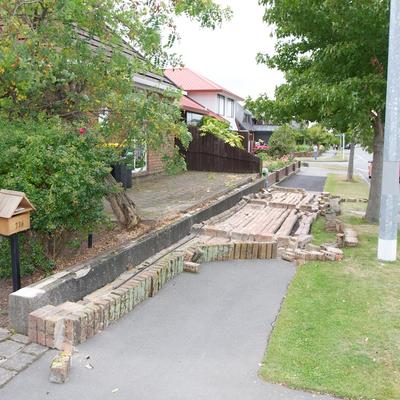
(202, 337)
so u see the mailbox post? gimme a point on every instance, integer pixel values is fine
(15, 211)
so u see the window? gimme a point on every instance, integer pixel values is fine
(230, 110)
(193, 119)
(221, 105)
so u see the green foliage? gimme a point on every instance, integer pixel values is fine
(302, 147)
(282, 141)
(53, 79)
(174, 164)
(273, 163)
(333, 74)
(32, 256)
(61, 171)
(221, 130)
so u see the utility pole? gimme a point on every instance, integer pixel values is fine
(387, 245)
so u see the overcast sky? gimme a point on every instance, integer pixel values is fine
(228, 54)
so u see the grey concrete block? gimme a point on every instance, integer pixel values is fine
(18, 362)
(5, 376)
(20, 338)
(8, 348)
(35, 349)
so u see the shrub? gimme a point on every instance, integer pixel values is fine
(221, 130)
(174, 164)
(302, 147)
(32, 256)
(282, 141)
(61, 170)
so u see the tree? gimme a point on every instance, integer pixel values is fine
(334, 55)
(221, 130)
(68, 62)
(282, 141)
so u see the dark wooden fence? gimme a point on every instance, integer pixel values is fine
(208, 153)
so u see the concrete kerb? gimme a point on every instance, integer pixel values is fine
(77, 282)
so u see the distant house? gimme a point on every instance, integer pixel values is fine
(218, 101)
(255, 131)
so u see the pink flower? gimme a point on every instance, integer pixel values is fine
(82, 131)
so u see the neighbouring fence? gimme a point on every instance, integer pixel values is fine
(208, 153)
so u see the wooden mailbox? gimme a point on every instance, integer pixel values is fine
(15, 211)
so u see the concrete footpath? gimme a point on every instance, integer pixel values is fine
(202, 337)
(309, 178)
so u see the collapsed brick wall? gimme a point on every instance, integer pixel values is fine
(70, 324)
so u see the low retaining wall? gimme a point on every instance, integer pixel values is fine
(280, 174)
(75, 283)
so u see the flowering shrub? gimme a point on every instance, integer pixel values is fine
(261, 147)
(61, 171)
(273, 164)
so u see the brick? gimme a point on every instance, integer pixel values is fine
(73, 329)
(236, 252)
(36, 322)
(105, 307)
(54, 325)
(249, 251)
(60, 367)
(191, 267)
(243, 251)
(255, 251)
(268, 254)
(274, 250)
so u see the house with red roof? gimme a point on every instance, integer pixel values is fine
(204, 97)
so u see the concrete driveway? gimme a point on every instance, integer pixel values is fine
(202, 337)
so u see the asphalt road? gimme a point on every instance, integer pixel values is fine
(202, 337)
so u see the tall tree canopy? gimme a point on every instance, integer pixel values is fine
(334, 56)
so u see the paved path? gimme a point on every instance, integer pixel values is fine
(311, 179)
(159, 196)
(202, 337)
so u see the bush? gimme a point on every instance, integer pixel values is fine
(61, 170)
(282, 141)
(302, 148)
(273, 164)
(174, 164)
(32, 256)
(221, 130)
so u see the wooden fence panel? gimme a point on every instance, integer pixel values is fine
(208, 153)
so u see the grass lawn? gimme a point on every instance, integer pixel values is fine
(337, 158)
(338, 331)
(337, 184)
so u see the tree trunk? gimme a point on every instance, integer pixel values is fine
(123, 207)
(374, 200)
(350, 167)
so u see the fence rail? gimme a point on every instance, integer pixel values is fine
(208, 153)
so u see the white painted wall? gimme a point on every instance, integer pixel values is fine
(210, 101)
